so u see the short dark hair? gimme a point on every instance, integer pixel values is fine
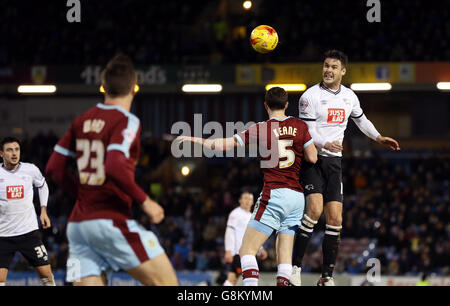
(9, 140)
(119, 77)
(338, 55)
(276, 98)
(244, 192)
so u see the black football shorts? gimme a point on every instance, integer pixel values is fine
(29, 245)
(323, 177)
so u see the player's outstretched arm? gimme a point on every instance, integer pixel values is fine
(367, 127)
(219, 144)
(388, 142)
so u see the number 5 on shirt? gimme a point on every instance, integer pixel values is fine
(283, 152)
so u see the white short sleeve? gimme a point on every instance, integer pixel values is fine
(232, 220)
(357, 111)
(307, 110)
(38, 178)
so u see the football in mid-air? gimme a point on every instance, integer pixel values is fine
(264, 39)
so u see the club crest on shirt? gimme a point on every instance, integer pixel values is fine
(14, 192)
(128, 135)
(303, 105)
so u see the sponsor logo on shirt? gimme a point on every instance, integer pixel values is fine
(336, 115)
(14, 192)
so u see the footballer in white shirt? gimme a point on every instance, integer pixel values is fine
(326, 109)
(236, 225)
(19, 230)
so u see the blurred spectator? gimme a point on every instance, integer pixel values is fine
(393, 267)
(182, 249)
(354, 267)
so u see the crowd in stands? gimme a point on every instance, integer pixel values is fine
(402, 204)
(215, 32)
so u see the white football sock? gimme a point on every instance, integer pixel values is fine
(250, 270)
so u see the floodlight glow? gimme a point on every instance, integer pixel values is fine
(36, 89)
(202, 88)
(443, 85)
(371, 86)
(185, 171)
(288, 87)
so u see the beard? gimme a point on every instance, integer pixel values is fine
(12, 163)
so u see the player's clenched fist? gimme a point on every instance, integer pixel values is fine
(153, 210)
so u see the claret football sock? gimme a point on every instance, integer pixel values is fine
(283, 275)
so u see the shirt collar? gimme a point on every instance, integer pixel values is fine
(322, 86)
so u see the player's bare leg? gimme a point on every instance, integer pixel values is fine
(314, 209)
(314, 206)
(331, 240)
(46, 275)
(157, 271)
(3, 274)
(251, 243)
(232, 278)
(93, 280)
(284, 246)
